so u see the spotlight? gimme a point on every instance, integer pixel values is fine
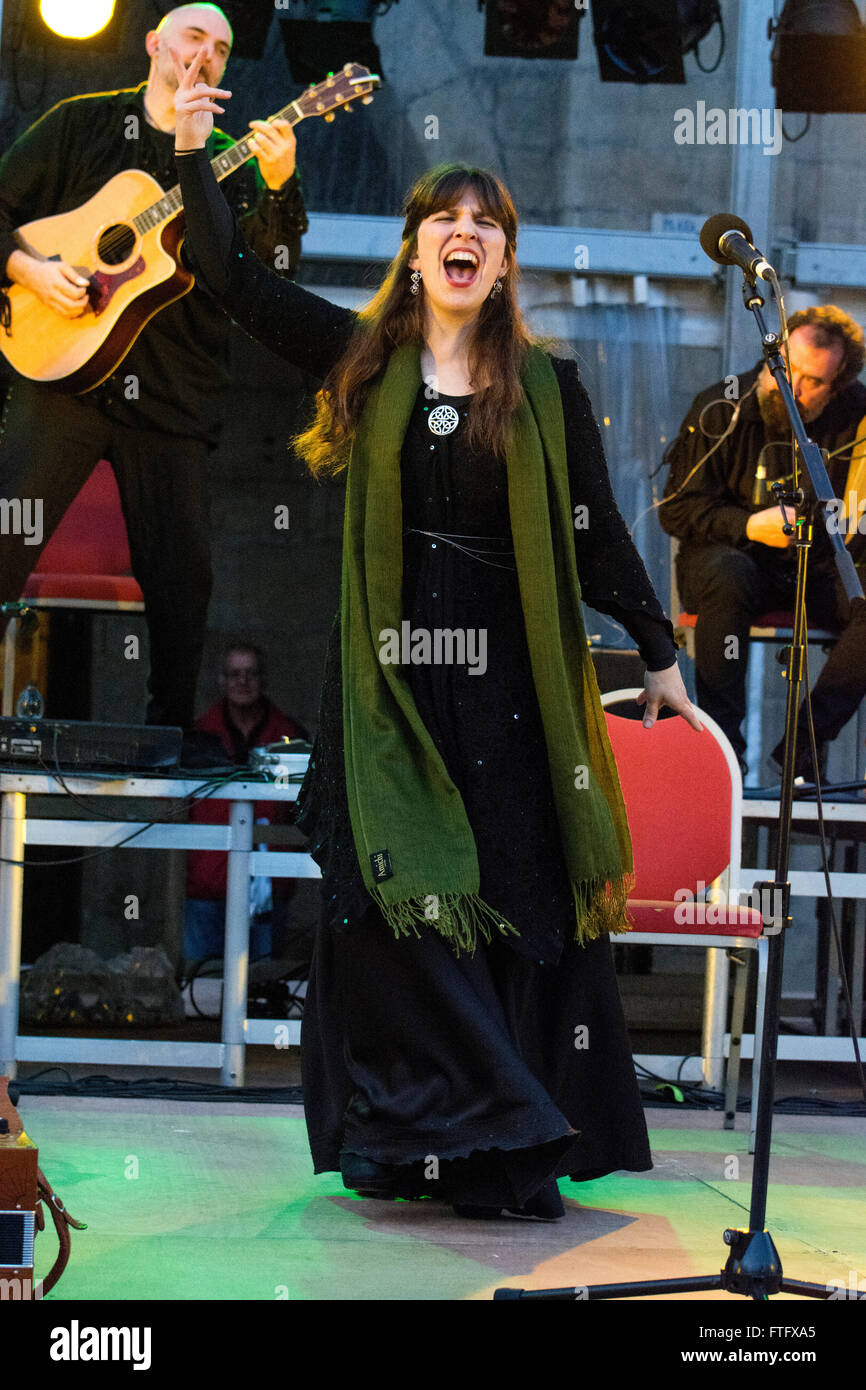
(76, 19)
(645, 40)
(819, 56)
(529, 29)
(72, 26)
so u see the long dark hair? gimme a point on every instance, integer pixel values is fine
(395, 317)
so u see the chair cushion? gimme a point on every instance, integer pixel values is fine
(651, 915)
(779, 621)
(87, 588)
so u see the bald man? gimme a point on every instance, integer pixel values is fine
(156, 419)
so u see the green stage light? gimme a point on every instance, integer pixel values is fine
(76, 19)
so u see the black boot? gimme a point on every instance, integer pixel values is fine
(367, 1177)
(546, 1205)
(387, 1181)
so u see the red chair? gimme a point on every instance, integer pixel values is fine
(769, 627)
(683, 794)
(86, 564)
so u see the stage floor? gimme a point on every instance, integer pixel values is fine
(218, 1201)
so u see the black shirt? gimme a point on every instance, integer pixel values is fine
(709, 502)
(179, 359)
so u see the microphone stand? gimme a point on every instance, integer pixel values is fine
(753, 1267)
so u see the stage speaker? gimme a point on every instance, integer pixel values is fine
(819, 57)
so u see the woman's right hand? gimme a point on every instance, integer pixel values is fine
(194, 103)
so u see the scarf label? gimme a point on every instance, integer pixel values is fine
(380, 862)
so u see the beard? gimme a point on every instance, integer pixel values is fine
(774, 415)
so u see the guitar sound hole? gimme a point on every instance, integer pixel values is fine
(116, 243)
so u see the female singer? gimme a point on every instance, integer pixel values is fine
(463, 1036)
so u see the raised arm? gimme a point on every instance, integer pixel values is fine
(309, 331)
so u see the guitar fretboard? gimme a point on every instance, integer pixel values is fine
(171, 203)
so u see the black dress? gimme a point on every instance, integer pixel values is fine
(512, 1065)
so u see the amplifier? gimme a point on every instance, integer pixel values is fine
(19, 1196)
(72, 743)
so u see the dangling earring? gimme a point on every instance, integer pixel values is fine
(497, 289)
(416, 281)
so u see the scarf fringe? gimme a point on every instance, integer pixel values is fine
(602, 908)
(459, 917)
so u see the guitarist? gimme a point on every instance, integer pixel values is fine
(155, 418)
(734, 561)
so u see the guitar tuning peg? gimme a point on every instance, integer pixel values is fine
(366, 101)
(330, 116)
(347, 107)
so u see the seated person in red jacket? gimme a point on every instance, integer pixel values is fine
(242, 719)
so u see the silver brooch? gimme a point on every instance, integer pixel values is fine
(443, 419)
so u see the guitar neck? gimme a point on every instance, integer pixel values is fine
(171, 203)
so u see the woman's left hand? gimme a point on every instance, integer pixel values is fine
(666, 688)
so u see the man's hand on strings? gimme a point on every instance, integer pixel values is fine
(273, 145)
(666, 688)
(194, 103)
(57, 284)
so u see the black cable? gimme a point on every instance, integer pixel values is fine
(209, 787)
(163, 1088)
(190, 980)
(167, 1088)
(683, 1062)
(47, 1070)
(703, 1098)
(721, 23)
(718, 441)
(792, 139)
(789, 1105)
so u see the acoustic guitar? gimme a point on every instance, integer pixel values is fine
(126, 241)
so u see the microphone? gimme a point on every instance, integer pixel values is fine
(727, 239)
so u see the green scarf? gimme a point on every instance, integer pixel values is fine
(415, 846)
